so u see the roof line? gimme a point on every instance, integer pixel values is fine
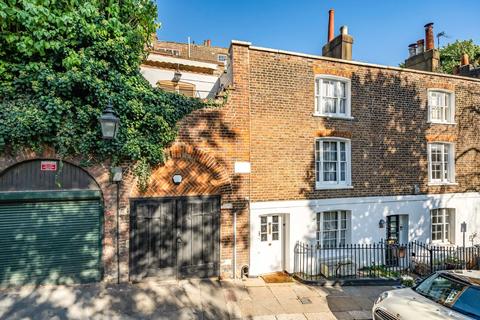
(358, 63)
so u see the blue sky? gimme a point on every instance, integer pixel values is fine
(382, 30)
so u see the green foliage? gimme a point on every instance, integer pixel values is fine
(380, 271)
(407, 281)
(60, 63)
(451, 54)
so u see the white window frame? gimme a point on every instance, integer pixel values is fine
(450, 224)
(319, 183)
(222, 55)
(318, 97)
(450, 166)
(450, 111)
(319, 234)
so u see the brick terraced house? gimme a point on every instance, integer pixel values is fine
(306, 148)
(323, 148)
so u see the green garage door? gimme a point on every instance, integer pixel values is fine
(52, 237)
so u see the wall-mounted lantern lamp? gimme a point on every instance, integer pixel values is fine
(176, 76)
(109, 122)
(117, 174)
(177, 179)
(381, 224)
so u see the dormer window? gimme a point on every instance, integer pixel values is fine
(441, 106)
(332, 96)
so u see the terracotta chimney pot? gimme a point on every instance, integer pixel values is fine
(465, 59)
(420, 46)
(331, 23)
(429, 40)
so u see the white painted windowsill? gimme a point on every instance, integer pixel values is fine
(442, 244)
(439, 122)
(443, 183)
(332, 116)
(332, 186)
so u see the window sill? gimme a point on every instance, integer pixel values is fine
(443, 183)
(443, 244)
(332, 116)
(445, 123)
(332, 187)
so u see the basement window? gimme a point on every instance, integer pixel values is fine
(332, 96)
(441, 106)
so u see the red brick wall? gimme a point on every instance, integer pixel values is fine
(101, 174)
(389, 132)
(222, 136)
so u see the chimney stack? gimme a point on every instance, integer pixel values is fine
(331, 24)
(339, 47)
(466, 69)
(465, 60)
(207, 43)
(429, 40)
(422, 55)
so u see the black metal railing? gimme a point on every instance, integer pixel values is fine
(381, 260)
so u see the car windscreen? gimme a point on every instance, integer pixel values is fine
(449, 292)
(469, 302)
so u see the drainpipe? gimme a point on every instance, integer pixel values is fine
(234, 244)
(117, 233)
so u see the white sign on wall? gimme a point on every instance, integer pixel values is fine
(242, 167)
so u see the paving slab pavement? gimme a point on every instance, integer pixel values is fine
(189, 299)
(353, 302)
(251, 299)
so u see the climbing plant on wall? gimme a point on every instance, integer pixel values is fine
(62, 61)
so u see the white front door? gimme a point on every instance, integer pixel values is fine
(270, 250)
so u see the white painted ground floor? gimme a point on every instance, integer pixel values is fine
(276, 226)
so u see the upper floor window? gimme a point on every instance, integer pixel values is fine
(173, 52)
(333, 228)
(332, 96)
(222, 58)
(443, 221)
(332, 163)
(441, 106)
(184, 88)
(441, 163)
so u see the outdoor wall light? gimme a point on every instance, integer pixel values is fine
(176, 76)
(381, 224)
(177, 179)
(109, 122)
(117, 175)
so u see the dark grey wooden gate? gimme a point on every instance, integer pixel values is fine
(174, 237)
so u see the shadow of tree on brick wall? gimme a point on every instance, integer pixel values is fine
(207, 128)
(388, 146)
(390, 157)
(211, 132)
(468, 147)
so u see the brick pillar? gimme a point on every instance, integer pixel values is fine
(239, 119)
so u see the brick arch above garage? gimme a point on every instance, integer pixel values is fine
(201, 174)
(98, 172)
(101, 174)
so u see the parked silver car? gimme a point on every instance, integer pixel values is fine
(451, 294)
